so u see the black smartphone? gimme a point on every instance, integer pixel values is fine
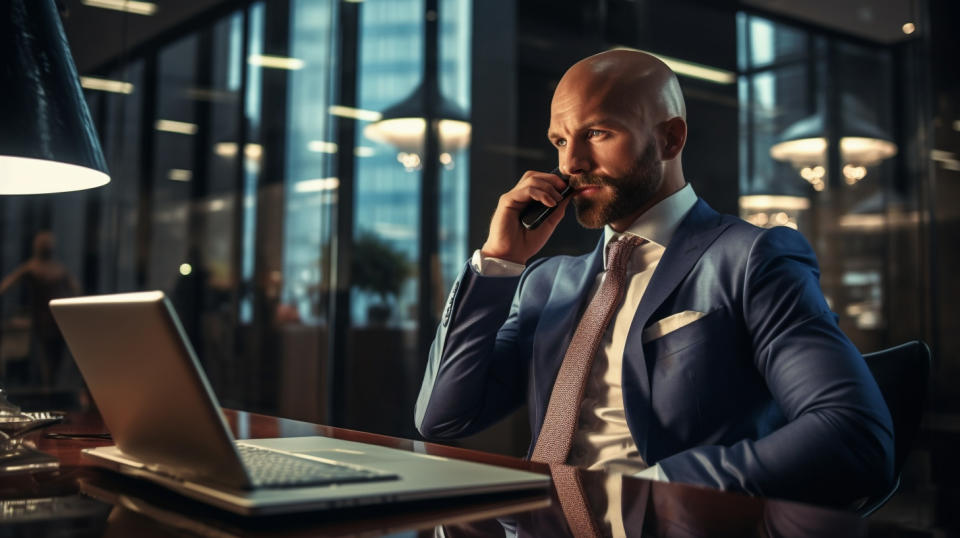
(535, 213)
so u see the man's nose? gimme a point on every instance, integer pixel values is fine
(576, 159)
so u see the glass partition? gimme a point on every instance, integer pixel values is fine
(818, 151)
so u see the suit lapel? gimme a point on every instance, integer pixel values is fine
(697, 231)
(572, 284)
(559, 319)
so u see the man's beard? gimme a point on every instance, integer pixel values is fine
(629, 192)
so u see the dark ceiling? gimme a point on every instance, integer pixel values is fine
(98, 35)
(875, 20)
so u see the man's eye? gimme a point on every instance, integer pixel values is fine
(560, 143)
(594, 133)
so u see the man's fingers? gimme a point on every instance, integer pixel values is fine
(532, 187)
(554, 219)
(555, 181)
(507, 239)
(521, 197)
(548, 198)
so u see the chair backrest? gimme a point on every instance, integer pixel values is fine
(903, 373)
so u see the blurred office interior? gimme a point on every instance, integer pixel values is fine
(306, 178)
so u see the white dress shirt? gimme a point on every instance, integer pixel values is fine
(602, 439)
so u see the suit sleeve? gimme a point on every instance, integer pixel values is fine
(476, 372)
(837, 443)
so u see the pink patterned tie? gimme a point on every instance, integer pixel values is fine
(573, 501)
(563, 411)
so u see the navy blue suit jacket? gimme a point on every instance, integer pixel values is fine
(764, 394)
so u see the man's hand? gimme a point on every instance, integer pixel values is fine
(508, 239)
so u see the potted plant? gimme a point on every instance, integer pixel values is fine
(378, 268)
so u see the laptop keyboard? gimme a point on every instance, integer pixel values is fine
(271, 469)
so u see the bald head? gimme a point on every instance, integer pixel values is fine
(618, 123)
(626, 79)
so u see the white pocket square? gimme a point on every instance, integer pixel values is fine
(670, 324)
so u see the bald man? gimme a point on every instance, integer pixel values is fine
(722, 364)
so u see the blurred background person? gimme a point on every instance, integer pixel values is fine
(43, 278)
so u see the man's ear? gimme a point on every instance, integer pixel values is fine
(673, 136)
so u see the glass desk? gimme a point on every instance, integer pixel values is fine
(80, 500)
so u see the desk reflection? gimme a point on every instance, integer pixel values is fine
(625, 506)
(645, 509)
(78, 499)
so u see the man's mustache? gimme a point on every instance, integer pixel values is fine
(579, 182)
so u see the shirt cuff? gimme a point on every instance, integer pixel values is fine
(652, 473)
(487, 266)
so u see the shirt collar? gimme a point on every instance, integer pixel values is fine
(658, 224)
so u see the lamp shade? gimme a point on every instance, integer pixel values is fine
(47, 138)
(404, 124)
(862, 142)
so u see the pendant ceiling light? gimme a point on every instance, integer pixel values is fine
(47, 139)
(404, 126)
(862, 144)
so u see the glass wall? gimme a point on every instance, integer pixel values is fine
(245, 186)
(307, 255)
(818, 153)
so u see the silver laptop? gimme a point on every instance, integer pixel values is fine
(168, 426)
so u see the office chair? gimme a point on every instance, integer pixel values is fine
(902, 372)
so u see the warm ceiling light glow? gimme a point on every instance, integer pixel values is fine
(941, 155)
(322, 146)
(106, 85)
(276, 62)
(867, 222)
(225, 149)
(185, 269)
(179, 174)
(455, 134)
(129, 6)
(948, 160)
(812, 173)
(691, 69)
(909, 28)
(410, 161)
(853, 149)
(229, 149)
(180, 127)
(852, 174)
(46, 176)
(364, 151)
(800, 151)
(354, 113)
(870, 221)
(866, 151)
(768, 201)
(407, 133)
(253, 151)
(317, 185)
